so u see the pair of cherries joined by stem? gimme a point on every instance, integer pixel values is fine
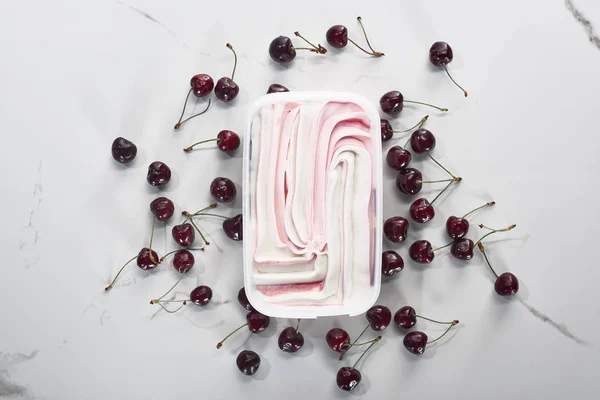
(232, 226)
(248, 361)
(416, 341)
(282, 50)
(337, 37)
(347, 378)
(440, 55)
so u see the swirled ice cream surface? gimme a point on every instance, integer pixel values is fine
(312, 201)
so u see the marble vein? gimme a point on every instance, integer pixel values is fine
(8, 361)
(33, 232)
(591, 32)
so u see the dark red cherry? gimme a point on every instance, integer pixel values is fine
(162, 208)
(144, 261)
(422, 141)
(277, 88)
(408, 181)
(257, 322)
(405, 317)
(290, 340)
(506, 284)
(159, 174)
(123, 150)
(202, 85)
(415, 342)
(386, 130)
(228, 141)
(392, 102)
(233, 228)
(184, 234)
(421, 211)
(421, 252)
(226, 89)
(440, 54)
(248, 362)
(338, 339)
(223, 190)
(282, 50)
(395, 229)
(398, 158)
(457, 227)
(379, 317)
(337, 36)
(183, 261)
(201, 295)
(243, 300)
(391, 263)
(348, 378)
(462, 249)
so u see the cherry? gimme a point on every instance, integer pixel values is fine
(123, 150)
(282, 50)
(223, 190)
(408, 181)
(406, 317)
(348, 378)
(147, 259)
(159, 174)
(338, 340)
(204, 89)
(421, 252)
(202, 85)
(290, 340)
(395, 229)
(416, 341)
(183, 234)
(162, 208)
(243, 300)
(506, 284)
(183, 261)
(337, 36)
(421, 211)
(391, 263)
(440, 55)
(393, 101)
(226, 89)
(227, 142)
(462, 249)
(398, 158)
(379, 317)
(248, 362)
(256, 323)
(277, 88)
(233, 228)
(422, 141)
(201, 295)
(458, 227)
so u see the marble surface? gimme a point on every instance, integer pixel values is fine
(75, 75)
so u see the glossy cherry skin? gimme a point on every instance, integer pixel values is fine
(348, 378)
(405, 317)
(408, 181)
(243, 300)
(398, 158)
(201, 295)
(290, 341)
(226, 89)
(421, 211)
(457, 227)
(282, 50)
(145, 262)
(123, 150)
(421, 252)
(202, 85)
(392, 102)
(338, 339)
(440, 54)
(159, 174)
(277, 88)
(415, 342)
(506, 284)
(248, 362)
(462, 249)
(228, 141)
(183, 261)
(386, 130)
(391, 263)
(337, 36)
(379, 317)
(184, 234)
(233, 228)
(257, 322)
(422, 141)
(395, 229)
(223, 190)
(162, 208)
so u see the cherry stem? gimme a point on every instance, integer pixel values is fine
(316, 49)
(482, 250)
(220, 344)
(452, 79)
(200, 232)
(174, 301)
(424, 104)
(363, 343)
(440, 165)
(434, 321)
(298, 325)
(155, 301)
(418, 125)
(438, 181)
(376, 53)
(175, 251)
(230, 47)
(489, 203)
(188, 215)
(377, 339)
(353, 343)
(171, 311)
(119, 273)
(444, 189)
(190, 148)
(211, 215)
(177, 125)
(441, 247)
(150, 246)
(443, 334)
(508, 228)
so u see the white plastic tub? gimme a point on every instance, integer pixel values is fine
(359, 223)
